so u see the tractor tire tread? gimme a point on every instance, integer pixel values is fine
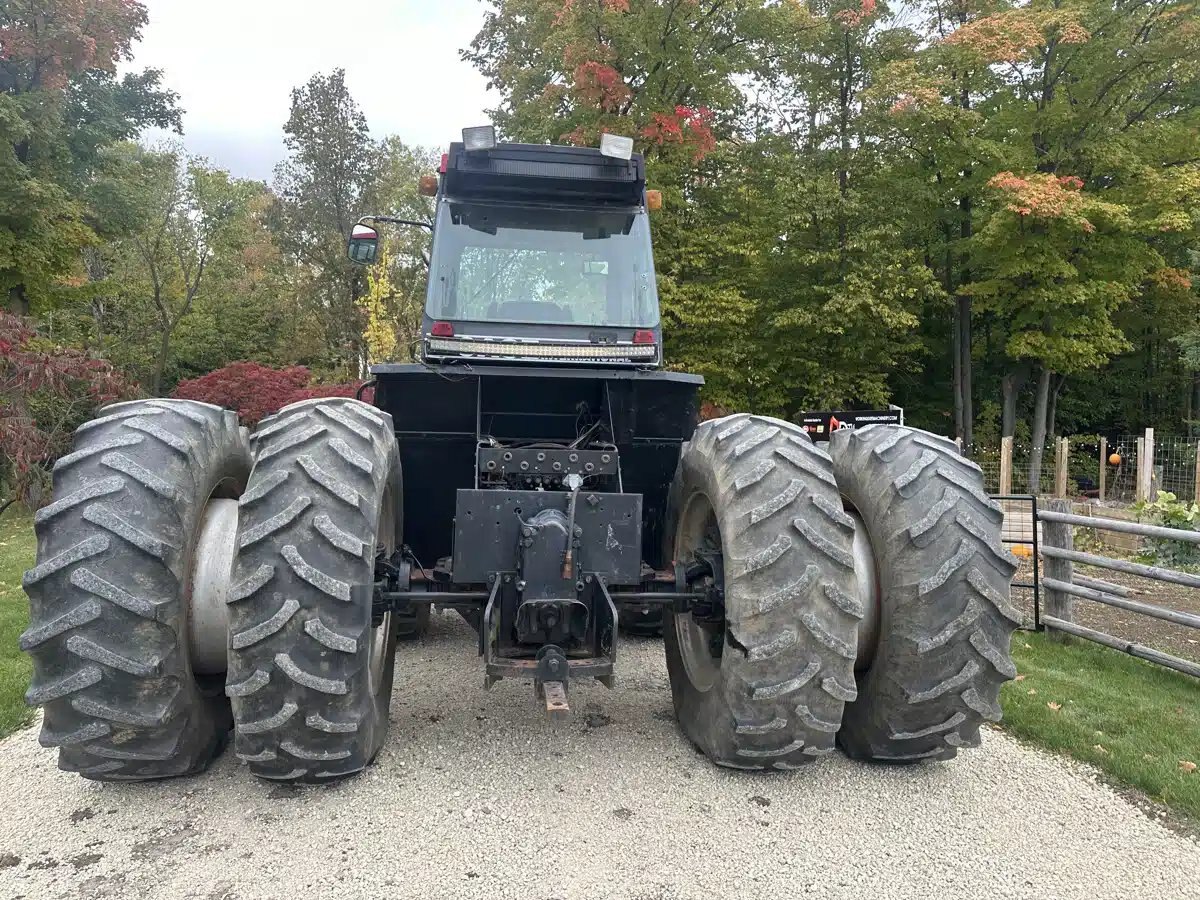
(943, 652)
(791, 629)
(108, 625)
(300, 631)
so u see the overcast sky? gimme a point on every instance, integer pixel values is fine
(234, 62)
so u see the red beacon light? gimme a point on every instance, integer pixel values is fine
(445, 164)
(442, 330)
(643, 336)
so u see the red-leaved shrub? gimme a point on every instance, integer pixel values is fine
(712, 411)
(256, 391)
(46, 392)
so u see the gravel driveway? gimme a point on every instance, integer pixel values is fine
(476, 795)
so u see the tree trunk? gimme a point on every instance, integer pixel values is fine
(1010, 388)
(959, 430)
(160, 364)
(844, 91)
(964, 349)
(1039, 432)
(955, 331)
(1056, 384)
(1194, 425)
(965, 231)
(18, 300)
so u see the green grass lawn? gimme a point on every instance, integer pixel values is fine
(16, 555)
(1135, 721)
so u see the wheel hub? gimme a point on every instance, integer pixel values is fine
(701, 637)
(385, 537)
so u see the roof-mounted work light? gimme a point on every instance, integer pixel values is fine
(481, 137)
(617, 146)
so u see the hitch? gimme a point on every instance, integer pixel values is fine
(550, 681)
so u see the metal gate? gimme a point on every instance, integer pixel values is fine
(1063, 585)
(1021, 529)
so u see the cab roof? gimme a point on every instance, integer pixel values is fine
(544, 173)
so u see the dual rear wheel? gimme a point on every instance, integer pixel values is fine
(866, 595)
(155, 626)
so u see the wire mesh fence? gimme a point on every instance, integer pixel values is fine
(988, 459)
(1175, 467)
(1122, 474)
(1100, 468)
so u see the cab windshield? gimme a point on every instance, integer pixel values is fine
(542, 265)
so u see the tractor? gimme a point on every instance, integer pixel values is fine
(540, 473)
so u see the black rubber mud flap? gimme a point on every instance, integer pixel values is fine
(412, 626)
(647, 622)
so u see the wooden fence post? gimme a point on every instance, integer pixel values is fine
(1151, 487)
(1058, 604)
(1103, 466)
(1141, 483)
(1196, 486)
(1062, 455)
(1006, 445)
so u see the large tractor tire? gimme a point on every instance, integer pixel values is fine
(310, 672)
(109, 595)
(945, 619)
(765, 686)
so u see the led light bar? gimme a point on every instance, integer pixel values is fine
(546, 351)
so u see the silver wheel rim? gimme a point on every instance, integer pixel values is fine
(385, 532)
(867, 577)
(697, 530)
(212, 575)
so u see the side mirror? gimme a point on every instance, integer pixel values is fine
(363, 246)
